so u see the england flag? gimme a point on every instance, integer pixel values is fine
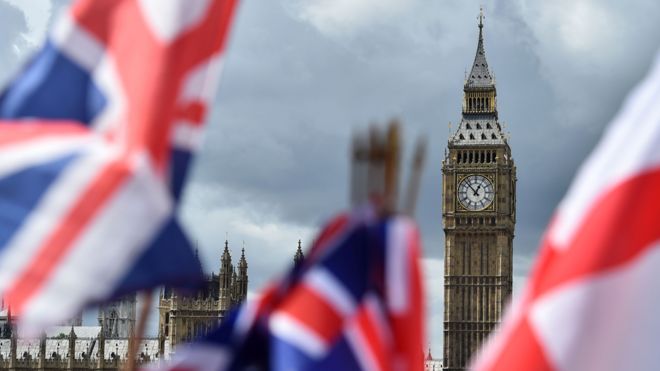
(96, 135)
(593, 300)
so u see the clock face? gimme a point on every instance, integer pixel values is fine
(475, 192)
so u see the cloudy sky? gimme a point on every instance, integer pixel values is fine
(302, 75)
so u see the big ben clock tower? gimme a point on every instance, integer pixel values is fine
(478, 214)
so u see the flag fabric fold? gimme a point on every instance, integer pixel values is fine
(356, 303)
(96, 136)
(591, 302)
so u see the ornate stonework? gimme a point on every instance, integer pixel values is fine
(88, 348)
(183, 318)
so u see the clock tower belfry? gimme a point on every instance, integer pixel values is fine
(478, 215)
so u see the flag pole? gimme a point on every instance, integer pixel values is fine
(376, 172)
(391, 176)
(138, 333)
(415, 178)
(376, 166)
(359, 169)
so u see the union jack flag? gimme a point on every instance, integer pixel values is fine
(592, 302)
(356, 303)
(96, 135)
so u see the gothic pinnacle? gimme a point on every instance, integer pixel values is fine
(480, 76)
(242, 264)
(226, 256)
(299, 256)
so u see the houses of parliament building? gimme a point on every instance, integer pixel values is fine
(186, 317)
(182, 318)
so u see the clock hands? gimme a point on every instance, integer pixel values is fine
(475, 191)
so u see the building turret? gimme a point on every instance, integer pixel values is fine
(72, 349)
(480, 76)
(12, 350)
(100, 356)
(299, 256)
(7, 329)
(42, 351)
(226, 274)
(242, 279)
(479, 123)
(234, 286)
(199, 261)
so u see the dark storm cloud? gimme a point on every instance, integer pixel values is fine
(291, 96)
(540, 90)
(296, 86)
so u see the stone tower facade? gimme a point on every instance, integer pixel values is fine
(478, 214)
(117, 319)
(183, 318)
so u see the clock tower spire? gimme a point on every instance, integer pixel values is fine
(478, 214)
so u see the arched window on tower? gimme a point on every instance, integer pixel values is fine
(467, 126)
(471, 137)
